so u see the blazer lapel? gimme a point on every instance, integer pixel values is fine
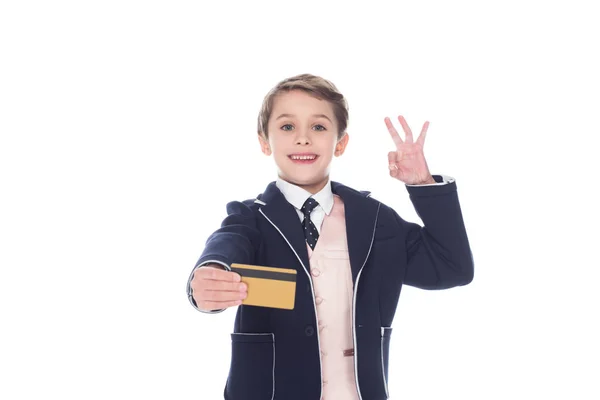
(283, 216)
(361, 217)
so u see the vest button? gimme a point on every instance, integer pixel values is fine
(309, 330)
(315, 272)
(318, 300)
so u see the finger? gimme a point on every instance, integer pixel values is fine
(219, 295)
(200, 285)
(217, 274)
(393, 132)
(211, 285)
(392, 159)
(409, 135)
(421, 139)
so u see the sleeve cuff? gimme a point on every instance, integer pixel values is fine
(440, 180)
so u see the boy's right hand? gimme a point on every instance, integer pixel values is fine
(214, 288)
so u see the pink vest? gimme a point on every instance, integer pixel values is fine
(332, 281)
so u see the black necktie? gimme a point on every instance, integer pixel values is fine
(310, 231)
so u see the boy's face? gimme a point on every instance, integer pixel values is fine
(302, 126)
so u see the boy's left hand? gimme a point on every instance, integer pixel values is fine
(407, 163)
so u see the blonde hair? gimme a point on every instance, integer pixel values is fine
(317, 87)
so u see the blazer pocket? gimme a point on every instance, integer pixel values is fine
(252, 369)
(386, 334)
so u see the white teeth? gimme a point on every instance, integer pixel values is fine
(303, 157)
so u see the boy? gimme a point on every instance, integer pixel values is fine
(352, 255)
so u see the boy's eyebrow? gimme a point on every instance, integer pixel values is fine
(314, 115)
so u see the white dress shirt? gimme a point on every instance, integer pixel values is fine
(296, 196)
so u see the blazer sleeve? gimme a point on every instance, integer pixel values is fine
(237, 241)
(438, 253)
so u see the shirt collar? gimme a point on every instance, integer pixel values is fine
(296, 196)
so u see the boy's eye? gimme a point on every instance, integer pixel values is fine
(318, 125)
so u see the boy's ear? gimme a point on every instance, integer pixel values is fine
(264, 145)
(340, 147)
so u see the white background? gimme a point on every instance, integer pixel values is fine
(127, 126)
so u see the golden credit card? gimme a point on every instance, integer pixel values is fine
(268, 286)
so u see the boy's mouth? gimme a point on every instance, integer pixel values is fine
(303, 158)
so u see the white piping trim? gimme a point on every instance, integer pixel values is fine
(313, 296)
(387, 393)
(354, 306)
(260, 202)
(273, 336)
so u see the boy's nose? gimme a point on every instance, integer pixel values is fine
(302, 138)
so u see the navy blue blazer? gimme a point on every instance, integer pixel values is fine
(275, 352)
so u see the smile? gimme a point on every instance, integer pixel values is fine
(303, 158)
